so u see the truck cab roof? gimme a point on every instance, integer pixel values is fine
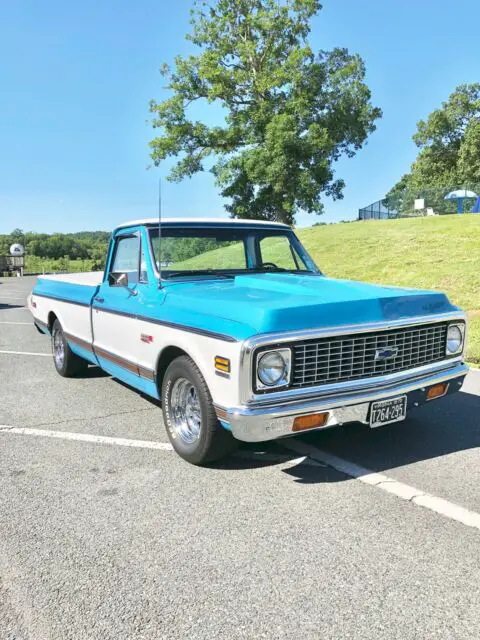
(201, 222)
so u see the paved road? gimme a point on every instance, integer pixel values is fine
(99, 540)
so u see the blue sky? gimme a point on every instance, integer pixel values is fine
(76, 79)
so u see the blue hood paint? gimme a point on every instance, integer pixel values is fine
(266, 303)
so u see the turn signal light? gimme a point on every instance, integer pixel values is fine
(310, 422)
(222, 364)
(437, 391)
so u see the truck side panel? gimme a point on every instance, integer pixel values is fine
(70, 303)
(201, 348)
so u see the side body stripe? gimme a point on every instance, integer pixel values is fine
(165, 323)
(141, 371)
(81, 343)
(171, 325)
(47, 295)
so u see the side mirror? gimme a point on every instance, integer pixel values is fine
(118, 279)
(122, 280)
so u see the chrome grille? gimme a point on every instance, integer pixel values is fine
(350, 357)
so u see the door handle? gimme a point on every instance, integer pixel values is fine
(97, 299)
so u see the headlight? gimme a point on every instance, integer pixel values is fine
(455, 339)
(273, 369)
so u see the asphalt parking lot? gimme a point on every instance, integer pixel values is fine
(105, 533)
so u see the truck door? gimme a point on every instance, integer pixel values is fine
(115, 308)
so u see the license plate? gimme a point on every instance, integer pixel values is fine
(387, 411)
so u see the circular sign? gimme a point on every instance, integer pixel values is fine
(17, 250)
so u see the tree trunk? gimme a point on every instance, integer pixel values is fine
(282, 215)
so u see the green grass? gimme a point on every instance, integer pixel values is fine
(33, 264)
(230, 257)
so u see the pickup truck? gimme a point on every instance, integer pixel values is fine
(235, 329)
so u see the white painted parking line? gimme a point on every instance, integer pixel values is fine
(385, 483)
(29, 324)
(309, 455)
(258, 456)
(26, 353)
(86, 437)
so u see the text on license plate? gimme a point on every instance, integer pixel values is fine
(386, 411)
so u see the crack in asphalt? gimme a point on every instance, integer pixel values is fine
(101, 417)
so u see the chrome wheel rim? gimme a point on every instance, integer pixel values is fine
(185, 413)
(58, 349)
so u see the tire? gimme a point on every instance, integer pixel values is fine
(67, 363)
(190, 419)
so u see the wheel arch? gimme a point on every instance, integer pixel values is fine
(52, 316)
(165, 357)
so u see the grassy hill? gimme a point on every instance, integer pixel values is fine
(441, 253)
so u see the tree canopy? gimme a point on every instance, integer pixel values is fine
(449, 143)
(287, 113)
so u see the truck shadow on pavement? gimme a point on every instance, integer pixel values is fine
(91, 372)
(4, 306)
(439, 428)
(447, 426)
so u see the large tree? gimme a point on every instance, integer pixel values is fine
(287, 115)
(449, 156)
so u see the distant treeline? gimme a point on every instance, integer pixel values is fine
(84, 245)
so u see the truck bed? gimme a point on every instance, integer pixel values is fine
(90, 278)
(67, 297)
(78, 288)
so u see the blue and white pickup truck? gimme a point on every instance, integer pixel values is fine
(232, 325)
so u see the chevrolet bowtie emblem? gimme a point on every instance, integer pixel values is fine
(386, 354)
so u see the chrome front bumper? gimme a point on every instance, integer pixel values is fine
(268, 422)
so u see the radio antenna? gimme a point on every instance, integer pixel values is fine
(160, 233)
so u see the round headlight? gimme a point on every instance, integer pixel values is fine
(271, 368)
(454, 339)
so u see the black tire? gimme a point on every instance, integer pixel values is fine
(213, 442)
(71, 364)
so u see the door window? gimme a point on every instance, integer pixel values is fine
(126, 258)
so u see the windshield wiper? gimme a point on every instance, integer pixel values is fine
(200, 272)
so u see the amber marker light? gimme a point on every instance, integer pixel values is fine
(310, 422)
(222, 364)
(437, 391)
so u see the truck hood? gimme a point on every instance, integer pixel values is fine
(273, 302)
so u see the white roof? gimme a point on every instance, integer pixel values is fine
(222, 221)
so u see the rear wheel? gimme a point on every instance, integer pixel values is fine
(192, 425)
(67, 363)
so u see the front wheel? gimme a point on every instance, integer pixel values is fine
(67, 363)
(192, 425)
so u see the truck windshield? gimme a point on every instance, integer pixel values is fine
(228, 251)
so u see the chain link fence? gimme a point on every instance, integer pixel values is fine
(422, 202)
